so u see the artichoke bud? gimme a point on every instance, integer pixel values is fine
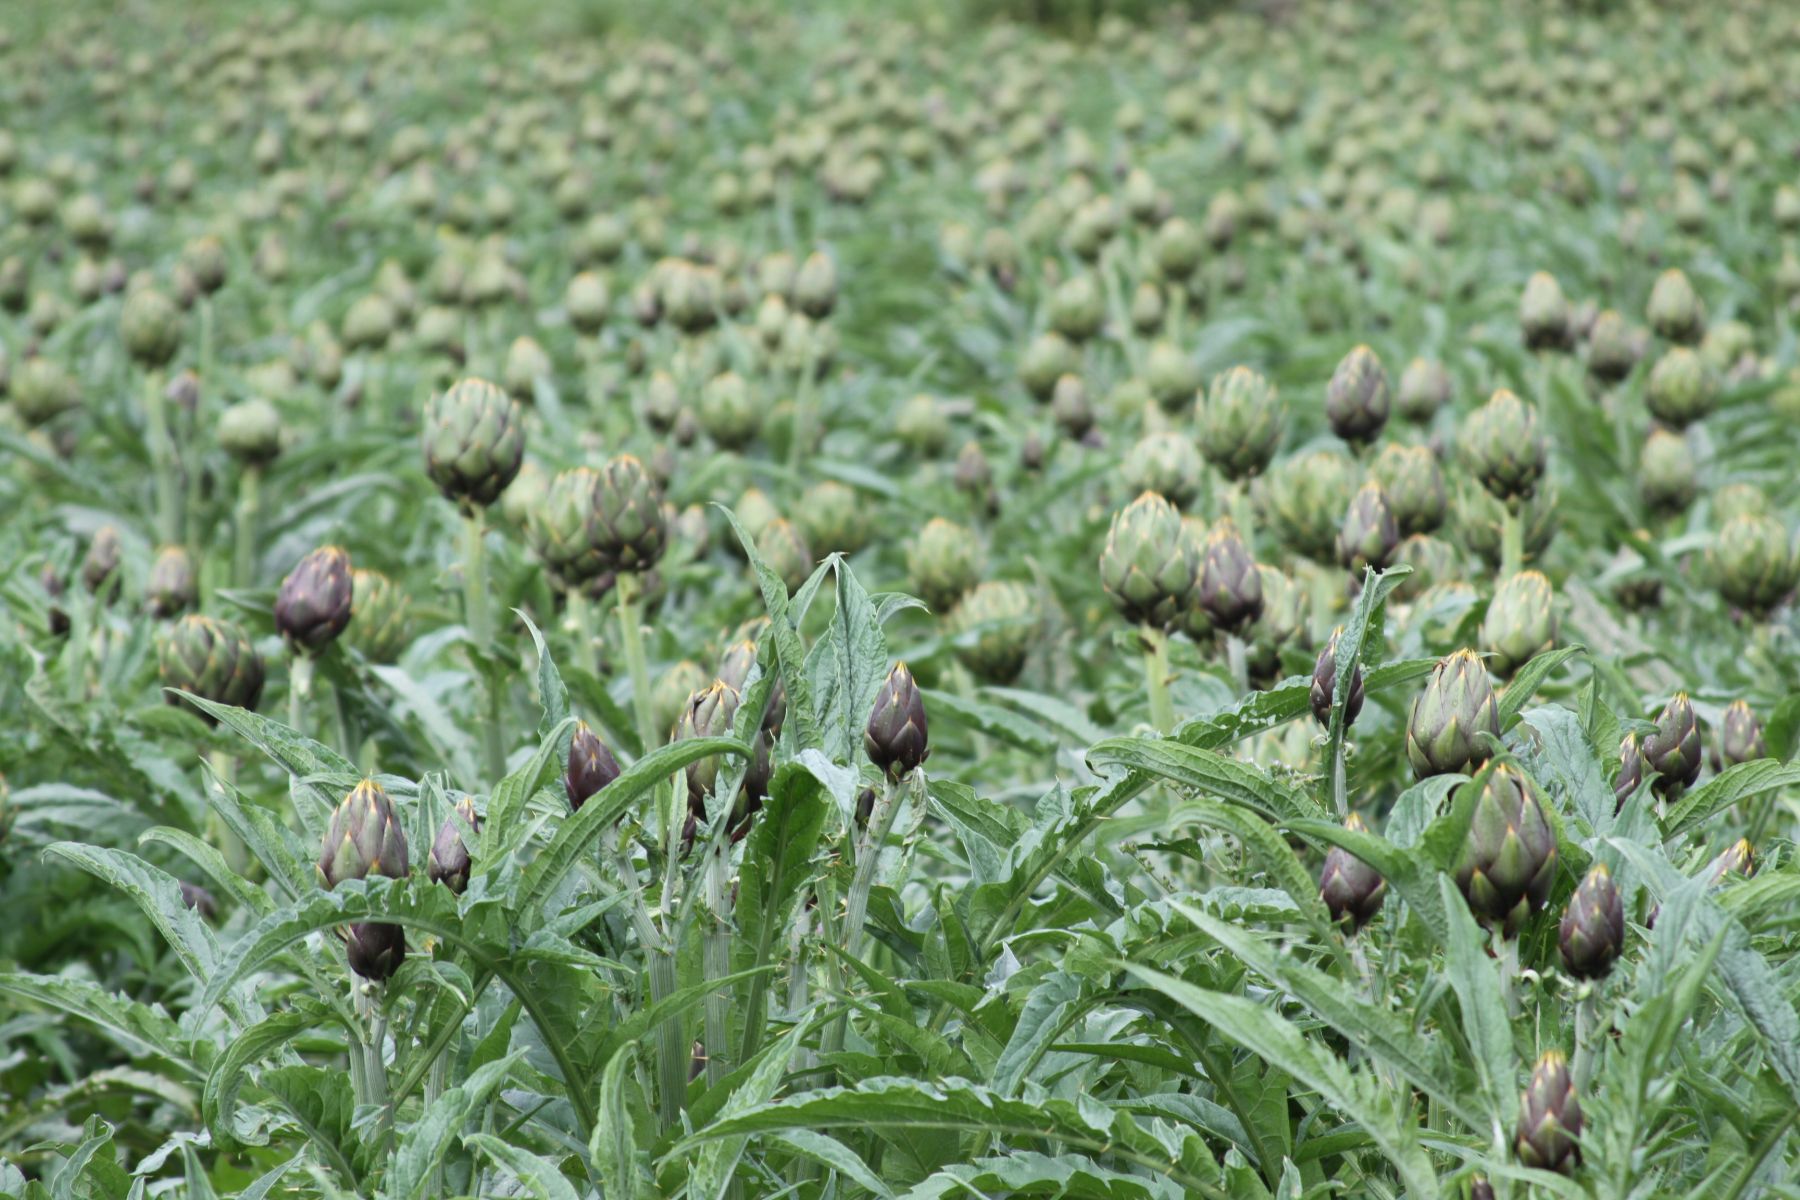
(42, 390)
(1047, 358)
(1239, 423)
(1230, 586)
(1069, 407)
(1002, 618)
(1165, 463)
(1424, 388)
(1741, 735)
(1324, 685)
(1077, 309)
(1356, 399)
(1504, 447)
(1282, 622)
(1519, 623)
(448, 862)
(474, 442)
(150, 326)
(784, 549)
(1631, 770)
(1352, 889)
(526, 363)
(922, 427)
(1739, 859)
(895, 737)
(1544, 314)
(1414, 484)
(1481, 1189)
(591, 766)
(730, 410)
(1613, 349)
(171, 589)
(1303, 498)
(628, 528)
(587, 301)
(833, 517)
(364, 838)
(1177, 248)
(314, 603)
(1753, 566)
(1592, 931)
(1369, 533)
(662, 401)
(1675, 311)
(1146, 308)
(1172, 375)
(816, 286)
(1682, 388)
(369, 322)
(1667, 478)
(380, 616)
(1673, 749)
(1509, 859)
(1448, 717)
(942, 563)
(100, 565)
(1549, 1129)
(206, 261)
(250, 431)
(212, 659)
(375, 950)
(1149, 564)
(669, 694)
(709, 712)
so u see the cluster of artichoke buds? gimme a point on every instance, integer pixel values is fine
(365, 838)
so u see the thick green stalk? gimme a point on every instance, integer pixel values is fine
(243, 558)
(1238, 661)
(631, 638)
(1512, 543)
(1156, 679)
(586, 654)
(800, 435)
(671, 1056)
(477, 617)
(300, 680)
(1582, 1065)
(718, 956)
(162, 460)
(868, 860)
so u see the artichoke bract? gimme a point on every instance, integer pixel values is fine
(1324, 684)
(1549, 1130)
(1424, 388)
(364, 838)
(212, 659)
(1673, 748)
(100, 565)
(1675, 311)
(1003, 619)
(895, 737)
(629, 530)
(1149, 564)
(1356, 399)
(1544, 314)
(1369, 533)
(474, 442)
(1414, 484)
(1239, 423)
(1229, 589)
(1448, 717)
(1352, 889)
(590, 768)
(1592, 931)
(1504, 447)
(1509, 860)
(449, 861)
(1520, 622)
(1741, 735)
(171, 589)
(1752, 564)
(314, 603)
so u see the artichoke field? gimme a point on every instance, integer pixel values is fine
(608, 602)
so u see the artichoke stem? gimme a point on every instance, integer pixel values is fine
(1237, 659)
(631, 638)
(868, 858)
(300, 677)
(718, 957)
(1509, 972)
(162, 459)
(1512, 543)
(1156, 679)
(481, 633)
(243, 559)
(672, 1050)
(800, 432)
(1582, 1066)
(587, 656)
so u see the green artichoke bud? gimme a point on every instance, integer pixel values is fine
(1673, 749)
(669, 694)
(1504, 447)
(369, 323)
(730, 411)
(943, 562)
(1077, 310)
(1448, 717)
(474, 442)
(1613, 349)
(207, 262)
(1739, 860)
(628, 530)
(1001, 617)
(1549, 1131)
(1675, 311)
(1414, 484)
(1369, 533)
(1150, 565)
(42, 390)
(1481, 518)
(1356, 399)
(314, 603)
(709, 712)
(1147, 310)
(213, 659)
(1433, 561)
(690, 296)
(1047, 358)
(1230, 587)
(1728, 344)
(365, 838)
(150, 326)
(922, 427)
(1631, 770)
(1666, 475)
(754, 512)
(1352, 889)
(1520, 622)
(250, 431)
(1544, 317)
(1165, 463)
(833, 517)
(380, 619)
(1172, 375)
(1753, 565)
(1239, 423)
(895, 738)
(171, 589)
(662, 401)
(1069, 407)
(1282, 621)
(785, 550)
(591, 766)
(587, 301)
(1177, 249)
(1324, 684)
(1741, 735)
(1424, 388)
(1303, 498)
(816, 286)
(1509, 860)
(526, 363)
(1682, 388)
(448, 863)
(1592, 932)
(100, 565)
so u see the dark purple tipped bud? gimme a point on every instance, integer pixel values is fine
(591, 766)
(1324, 683)
(449, 861)
(313, 606)
(1352, 889)
(895, 738)
(1592, 932)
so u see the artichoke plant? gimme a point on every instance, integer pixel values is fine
(449, 861)
(1631, 770)
(1443, 734)
(591, 766)
(474, 439)
(1508, 862)
(171, 589)
(1752, 563)
(380, 616)
(1741, 735)
(628, 529)
(1424, 388)
(1683, 388)
(1238, 422)
(1675, 310)
(1504, 447)
(1414, 486)
(942, 562)
(1548, 1136)
(1167, 464)
(1000, 620)
(1544, 317)
(1304, 497)
(563, 528)
(1369, 534)
(895, 737)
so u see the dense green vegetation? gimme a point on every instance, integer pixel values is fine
(718, 602)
